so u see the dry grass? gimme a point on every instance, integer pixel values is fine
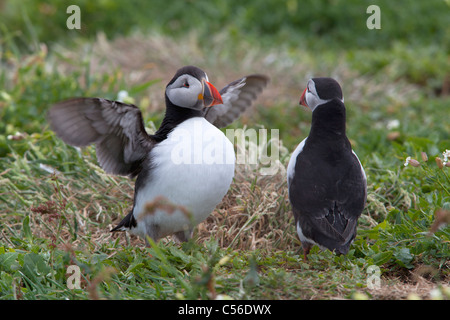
(254, 214)
(416, 287)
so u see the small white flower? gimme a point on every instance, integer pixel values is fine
(446, 155)
(408, 159)
(393, 124)
(122, 95)
(17, 136)
(436, 294)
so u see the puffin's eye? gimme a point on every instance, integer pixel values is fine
(186, 84)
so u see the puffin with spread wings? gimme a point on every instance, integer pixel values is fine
(188, 161)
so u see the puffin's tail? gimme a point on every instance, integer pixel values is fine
(126, 224)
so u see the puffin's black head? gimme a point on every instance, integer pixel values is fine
(319, 91)
(189, 88)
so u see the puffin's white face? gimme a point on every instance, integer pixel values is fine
(310, 98)
(185, 91)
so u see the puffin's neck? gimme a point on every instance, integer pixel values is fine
(173, 117)
(328, 120)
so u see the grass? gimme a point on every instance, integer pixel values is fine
(57, 205)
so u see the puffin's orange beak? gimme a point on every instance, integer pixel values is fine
(211, 95)
(303, 99)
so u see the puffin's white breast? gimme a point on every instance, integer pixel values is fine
(293, 160)
(193, 168)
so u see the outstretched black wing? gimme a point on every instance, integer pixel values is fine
(116, 129)
(237, 97)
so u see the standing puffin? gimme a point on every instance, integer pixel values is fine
(326, 181)
(188, 162)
